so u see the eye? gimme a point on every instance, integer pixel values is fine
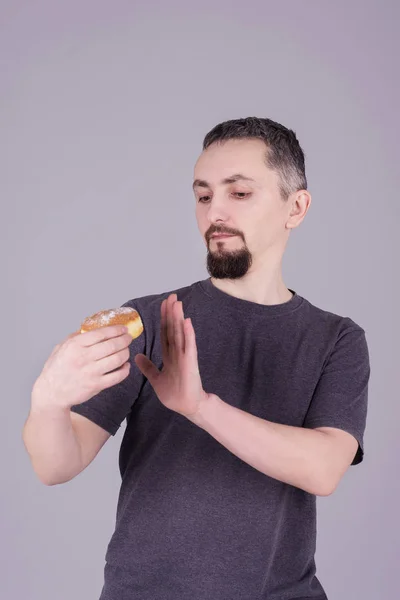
(241, 195)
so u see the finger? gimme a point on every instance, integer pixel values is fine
(164, 335)
(170, 323)
(190, 343)
(95, 336)
(179, 335)
(148, 369)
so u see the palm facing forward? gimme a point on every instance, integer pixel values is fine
(178, 385)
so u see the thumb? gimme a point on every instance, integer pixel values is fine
(148, 369)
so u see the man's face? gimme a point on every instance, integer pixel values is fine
(251, 210)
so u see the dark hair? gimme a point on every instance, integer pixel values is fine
(284, 154)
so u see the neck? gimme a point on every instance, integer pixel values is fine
(261, 287)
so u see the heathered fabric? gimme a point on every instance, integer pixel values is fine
(194, 521)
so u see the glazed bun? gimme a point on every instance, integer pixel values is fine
(115, 316)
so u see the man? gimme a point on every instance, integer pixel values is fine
(244, 401)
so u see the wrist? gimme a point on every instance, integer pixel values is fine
(199, 418)
(43, 401)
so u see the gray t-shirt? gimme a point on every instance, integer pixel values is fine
(194, 521)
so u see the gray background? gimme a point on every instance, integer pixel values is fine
(103, 109)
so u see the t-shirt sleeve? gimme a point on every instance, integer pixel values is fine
(340, 398)
(111, 406)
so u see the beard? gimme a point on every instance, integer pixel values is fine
(228, 264)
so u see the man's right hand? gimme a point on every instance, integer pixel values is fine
(79, 367)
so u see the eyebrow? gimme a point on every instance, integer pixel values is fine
(226, 181)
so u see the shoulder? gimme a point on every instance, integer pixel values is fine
(332, 334)
(148, 306)
(338, 324)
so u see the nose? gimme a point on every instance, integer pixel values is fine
(217, 211)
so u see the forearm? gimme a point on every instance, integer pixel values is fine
(294, 455)
(51, 443)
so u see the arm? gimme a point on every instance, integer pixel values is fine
(311, 459)
(82, 395)
(60, 443)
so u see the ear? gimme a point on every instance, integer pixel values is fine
(299, 203)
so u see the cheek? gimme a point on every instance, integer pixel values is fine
(201, 220)
(199, 214)
(257, 225)
(270, 228)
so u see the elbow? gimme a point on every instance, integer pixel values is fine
(325, 491)
(51, 479)
(326, 486)
(47, 483)
(46, 480)
(51, 482)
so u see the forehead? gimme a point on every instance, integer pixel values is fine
(221, 160)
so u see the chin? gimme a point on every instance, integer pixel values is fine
(229, 265)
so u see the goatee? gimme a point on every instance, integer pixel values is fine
(233, 264)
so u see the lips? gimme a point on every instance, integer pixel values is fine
(222, 235)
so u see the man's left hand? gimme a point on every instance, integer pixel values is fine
(178, 385)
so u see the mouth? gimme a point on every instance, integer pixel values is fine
(221, 236)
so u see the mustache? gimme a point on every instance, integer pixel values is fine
(221, 230)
